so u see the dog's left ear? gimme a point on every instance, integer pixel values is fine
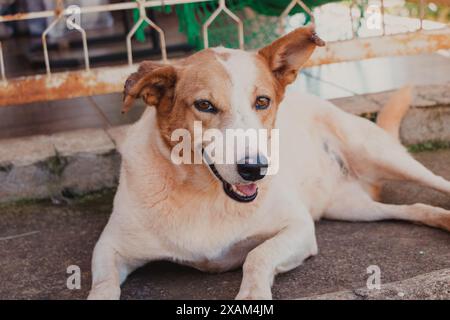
(287, 55)
(153, 82)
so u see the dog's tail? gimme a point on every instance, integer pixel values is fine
(391, 115)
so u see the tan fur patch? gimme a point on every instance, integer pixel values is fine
(287, 55)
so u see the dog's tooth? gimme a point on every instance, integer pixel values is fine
(236, 190)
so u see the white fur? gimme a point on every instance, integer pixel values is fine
(241, 68)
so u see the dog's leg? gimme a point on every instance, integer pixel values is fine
(285, 251)
(352, 203)
(109, 270)
(402, 166)
(375, 156)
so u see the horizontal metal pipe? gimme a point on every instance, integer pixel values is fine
(413, 43)
(63, 85)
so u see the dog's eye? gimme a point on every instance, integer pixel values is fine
(205, 106)
(262, 103)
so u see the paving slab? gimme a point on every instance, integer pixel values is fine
(433, 285)
(110, 105)
(23, 152)
(49, 117)
(38, 241)
(90, 141)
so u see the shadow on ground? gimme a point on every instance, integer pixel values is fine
(39, 241)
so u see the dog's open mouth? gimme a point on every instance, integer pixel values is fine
(241, 192)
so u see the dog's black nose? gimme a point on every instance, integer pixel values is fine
(253, 169)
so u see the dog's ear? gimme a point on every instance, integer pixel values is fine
(287, 55)
(153, 82)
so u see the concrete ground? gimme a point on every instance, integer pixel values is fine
(38, 241)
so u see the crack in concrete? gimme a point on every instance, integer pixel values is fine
(21, 235)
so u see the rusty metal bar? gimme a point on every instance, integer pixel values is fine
(223, 8)
(425, 41)
(111, 79)
(64, 85)
(383, 24)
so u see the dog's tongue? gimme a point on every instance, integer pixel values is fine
(247, 189)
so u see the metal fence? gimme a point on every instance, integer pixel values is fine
(103, 80)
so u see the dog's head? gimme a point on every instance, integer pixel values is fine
(224, 89)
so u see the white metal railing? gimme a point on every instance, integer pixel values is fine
(143, 18)
(60, 14)
(223, 8)
(92, 81)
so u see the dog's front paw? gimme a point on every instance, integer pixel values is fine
(103, 293)
(254, 293)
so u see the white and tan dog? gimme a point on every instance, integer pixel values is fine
(224, 216)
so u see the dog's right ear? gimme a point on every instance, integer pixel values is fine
(288, 54)
(153, 82)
